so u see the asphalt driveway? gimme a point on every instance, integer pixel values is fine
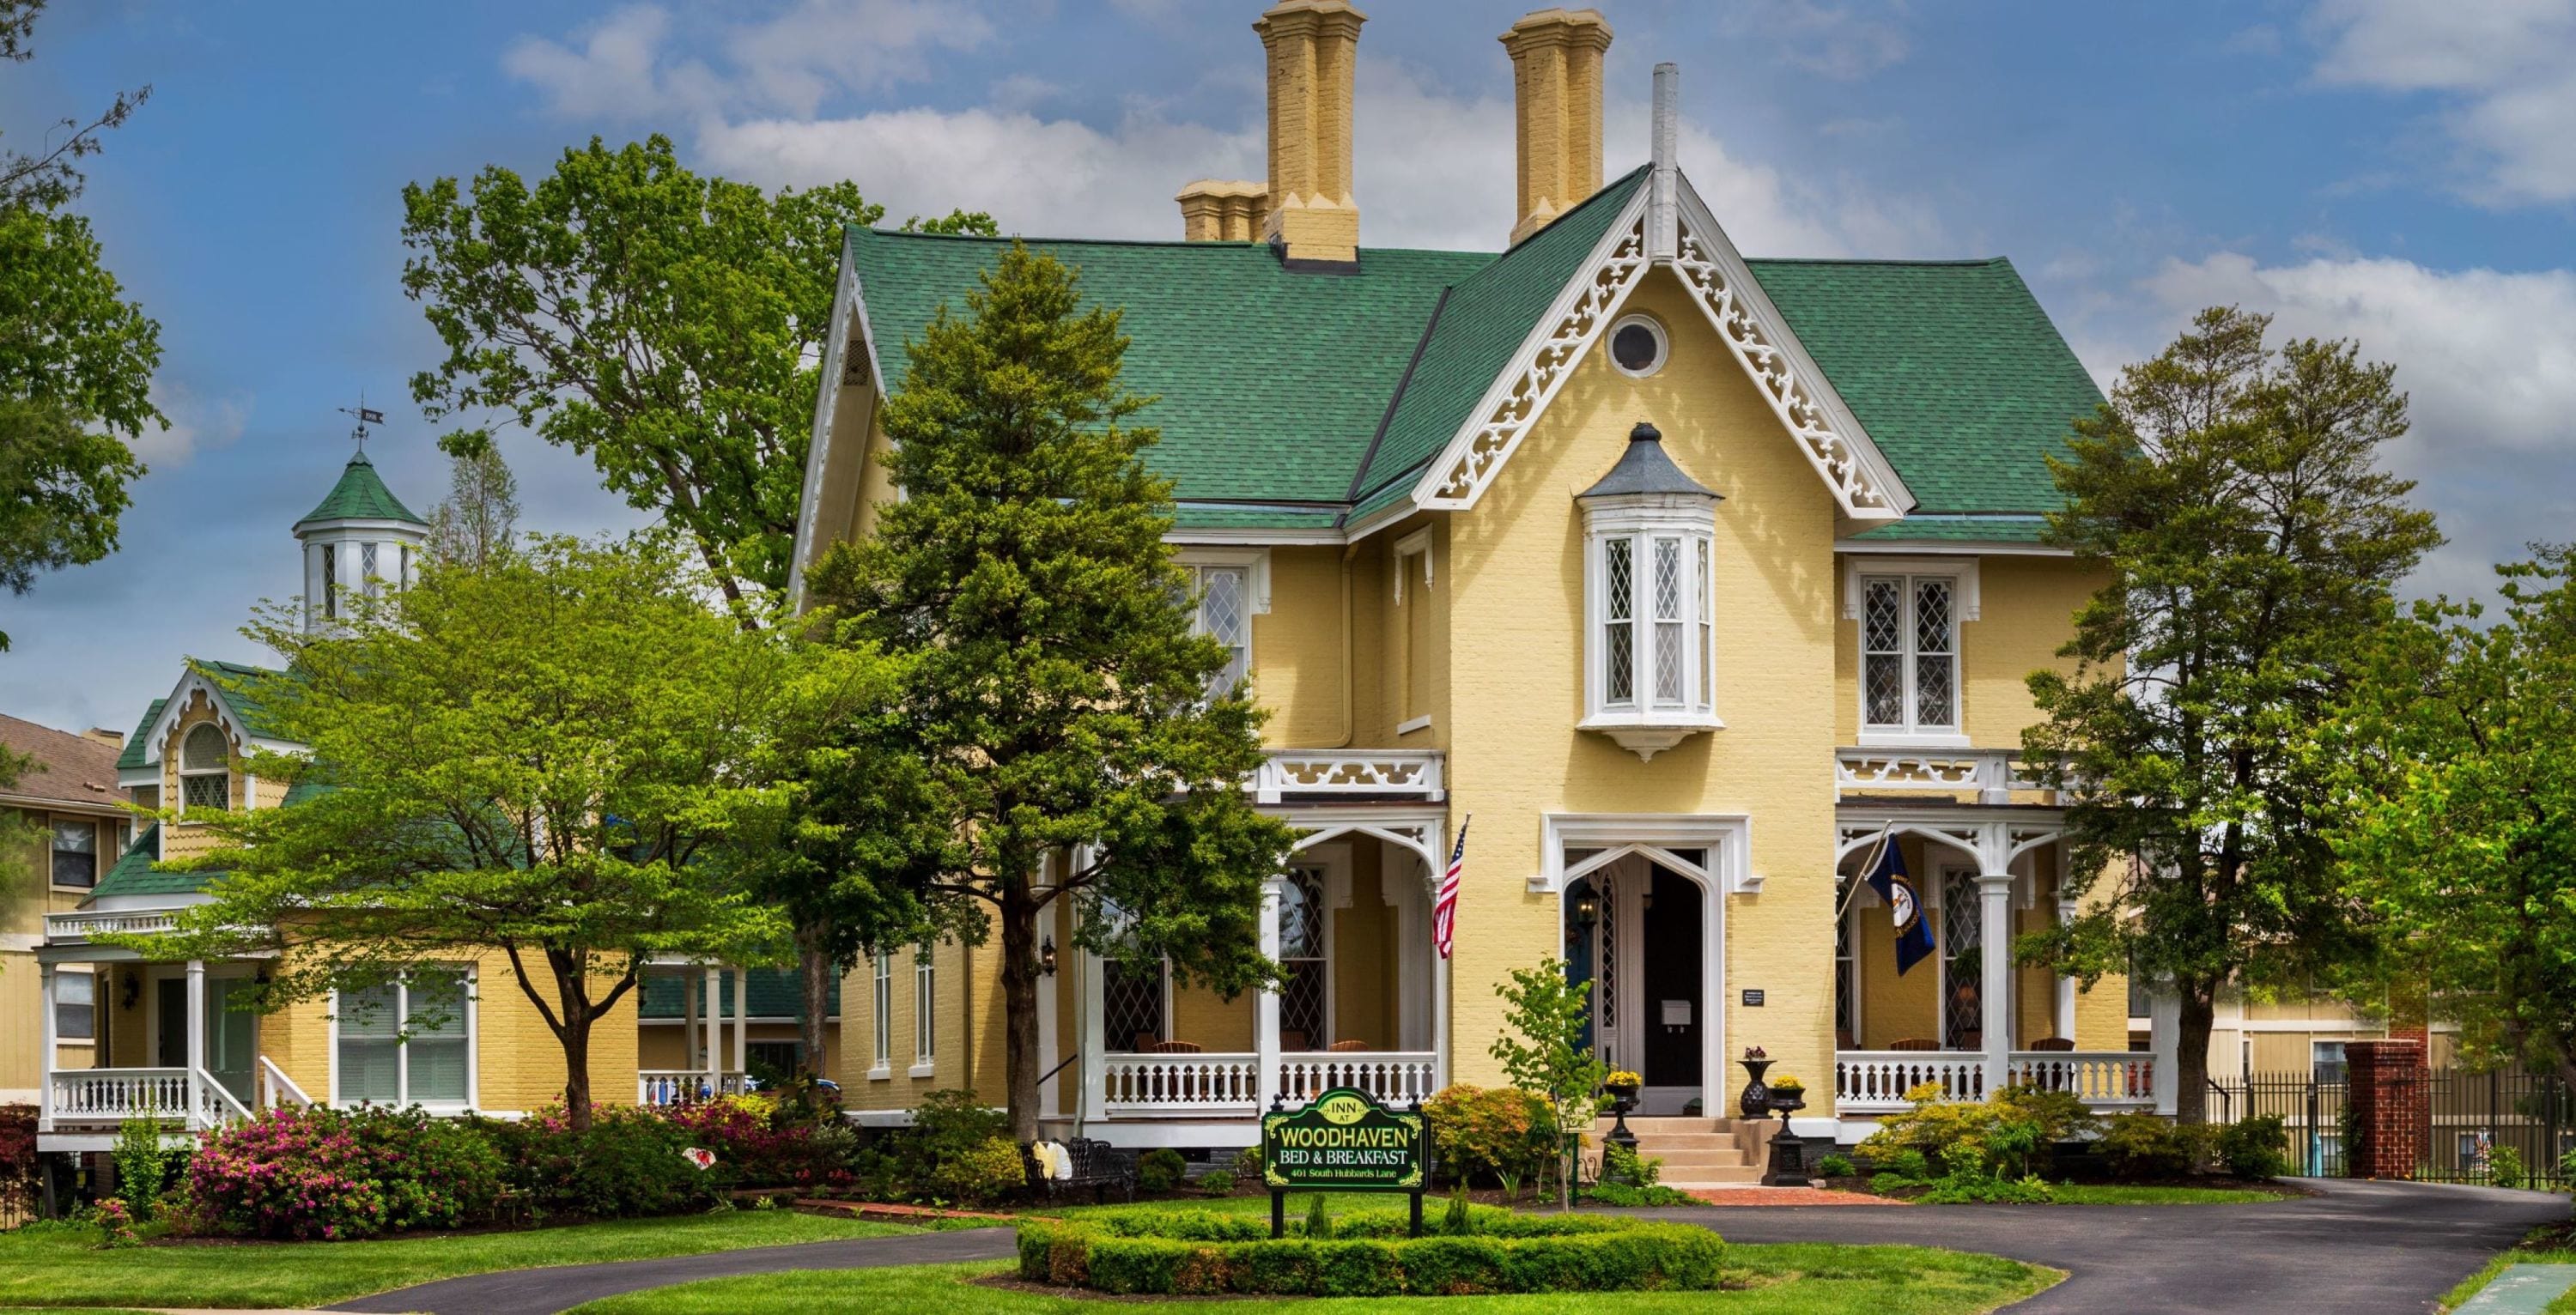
(2361, 1247)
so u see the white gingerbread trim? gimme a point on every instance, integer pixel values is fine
(1829, 435)
(1581, 311)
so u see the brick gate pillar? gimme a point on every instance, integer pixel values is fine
(2387, 1118)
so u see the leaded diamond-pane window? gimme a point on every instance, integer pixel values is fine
(1225, 615)
(1668, 620)
(205, 769)
(1302, 911)
(1962, 971)
(1131, 1004)
(1846, 984)
(367, 567)
(1620, 628)
(1909, 653)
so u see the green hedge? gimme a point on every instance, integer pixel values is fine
(1201, 1253)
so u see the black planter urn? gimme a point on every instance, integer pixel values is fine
(1756, 1100)
(1788, 1155)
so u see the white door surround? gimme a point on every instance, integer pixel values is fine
(1634, 840)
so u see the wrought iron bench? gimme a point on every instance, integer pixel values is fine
(1096, 1164)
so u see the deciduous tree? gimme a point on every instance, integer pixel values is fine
(475, 524)
(667, 325)
(2231, 490)
(2454, 811)
(1057, 695)
(543, 757)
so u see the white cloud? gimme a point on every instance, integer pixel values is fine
(2487, 358)
(2506, 70)
(790, 62)
(195, 422)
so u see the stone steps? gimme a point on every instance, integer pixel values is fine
(1696, 1152)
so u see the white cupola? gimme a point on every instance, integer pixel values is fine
(1649, 643)
(360, 540)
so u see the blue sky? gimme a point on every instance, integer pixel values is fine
(2395, 171)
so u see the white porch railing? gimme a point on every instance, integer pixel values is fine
(678, 1086)
(106, 1096)
(70, 928)
(1391, 1077)
(1992, 773)
(2104, 1079)
(1201, 1085)
(277, 1089)
(1407, 773)
(1875, 1081)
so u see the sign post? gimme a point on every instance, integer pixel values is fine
(1343, 1141)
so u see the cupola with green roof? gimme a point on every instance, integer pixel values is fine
(360, 538)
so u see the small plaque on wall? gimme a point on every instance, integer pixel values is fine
(1752, 998)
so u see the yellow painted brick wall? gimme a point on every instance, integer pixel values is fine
(2027, 606)
(1514, 582)
(1364, 959)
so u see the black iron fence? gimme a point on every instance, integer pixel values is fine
(2503, 1125)
(2310, 1108)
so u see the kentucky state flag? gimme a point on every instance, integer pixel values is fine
(1887, 876)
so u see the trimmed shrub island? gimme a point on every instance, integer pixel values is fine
(1367, 1254)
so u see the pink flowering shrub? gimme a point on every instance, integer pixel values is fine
(333, 1175)
(760, 1144)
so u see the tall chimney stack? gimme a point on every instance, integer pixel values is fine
(1311, 44)
(1556, 87)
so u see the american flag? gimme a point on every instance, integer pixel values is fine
(1444, 910)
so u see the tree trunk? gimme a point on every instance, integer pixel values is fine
(2191, 1050)
(1022, 1060)
(814, 980)
(576, 1052)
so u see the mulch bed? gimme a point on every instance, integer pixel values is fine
(887, 1212)
(1788, 1196)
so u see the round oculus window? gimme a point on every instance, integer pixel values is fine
(1637, 345)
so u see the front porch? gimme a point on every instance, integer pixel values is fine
(1980, 845)
(170, 1047)
(1152, 1061)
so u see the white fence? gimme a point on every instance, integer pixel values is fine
(1208, 1085)
(104, 1096)
(1875, 1081)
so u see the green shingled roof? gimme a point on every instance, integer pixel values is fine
(774, 994)
(1278, 387)
(1958, 529)
(1952, 367)
(134, 873)
(132, 759)
(360, 496)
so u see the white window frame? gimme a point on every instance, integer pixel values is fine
(64, 975)
(1254, 563)
(1652, 723)
(54, 823)
(1411, 546)
(925, 1022)
(186, 772)
(881, 1058)
(1966, 604)
(402, 1071)
(1663, 344)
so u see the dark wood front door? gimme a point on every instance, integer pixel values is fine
(1671, 1017)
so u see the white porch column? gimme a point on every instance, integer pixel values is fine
(45, 1062)
(2066, 985)
(1090, 1018)
(1265, 1005)
(742, 1021)
(714, 1014)
(1994, 989)
(196, 1034)
(688, 1024)
(2165, 1011)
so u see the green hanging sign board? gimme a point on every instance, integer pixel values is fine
(1344, 1141)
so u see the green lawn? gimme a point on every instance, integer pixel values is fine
(63, 1267)
(1789, 1279)
(2551, 1245)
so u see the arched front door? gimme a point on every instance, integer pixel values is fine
(1636, 930)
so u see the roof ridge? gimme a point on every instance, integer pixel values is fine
(1176, 244)
(1959, 262)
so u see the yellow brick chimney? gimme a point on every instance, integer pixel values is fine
(1556, 88)
(1312, 44)
(1216, 211)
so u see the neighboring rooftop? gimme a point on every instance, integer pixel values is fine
(66, 769)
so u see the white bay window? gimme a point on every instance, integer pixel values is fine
(1650, 659)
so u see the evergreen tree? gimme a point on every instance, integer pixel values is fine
(1057, 694)
(2231, 490)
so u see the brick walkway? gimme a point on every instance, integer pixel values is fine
(1786, 1196)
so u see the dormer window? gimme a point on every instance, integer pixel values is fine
(1650, 659)
(205, 769)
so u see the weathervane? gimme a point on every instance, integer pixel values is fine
(365, 418)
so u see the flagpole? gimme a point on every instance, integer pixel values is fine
(1862, 876)
(1440, 968)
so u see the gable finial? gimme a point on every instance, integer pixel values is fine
(365, 417)
(1663, 197)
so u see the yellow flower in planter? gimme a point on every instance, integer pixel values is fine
(1620, 1077)
(1784, 1082)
